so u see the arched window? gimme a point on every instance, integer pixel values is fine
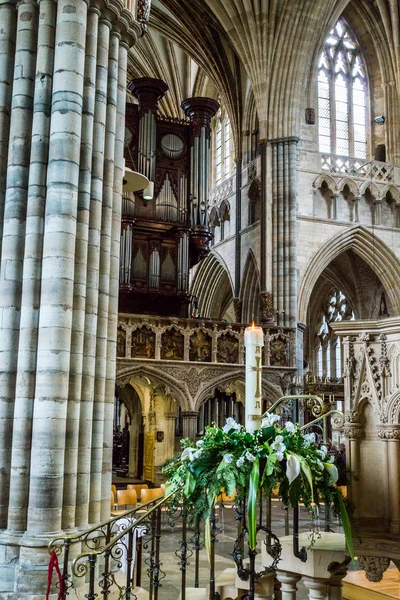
(342, 95)
(223, 164)
(328, 349)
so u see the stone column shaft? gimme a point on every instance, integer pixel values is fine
(394, 470)
(104, 283)
(284, 219)
(114, 279)
(81, 254)
(92, 280)
(189, 424)
(288, 583)
(317, 588)
(14, 231)
(8, 20)
(32, 270)
(58, 265)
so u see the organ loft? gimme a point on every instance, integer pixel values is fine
(165, 228)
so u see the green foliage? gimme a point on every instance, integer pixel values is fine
(231, 459)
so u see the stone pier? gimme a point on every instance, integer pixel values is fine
(62, 108)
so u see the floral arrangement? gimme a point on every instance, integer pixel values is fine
(233, 459)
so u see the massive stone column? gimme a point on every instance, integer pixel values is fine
(62, 101)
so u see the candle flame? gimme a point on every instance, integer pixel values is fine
(253, 325)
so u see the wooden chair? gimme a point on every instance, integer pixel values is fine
(126, 498)
(138, 487)
(112, 500)
(114, 491)
(153, 494)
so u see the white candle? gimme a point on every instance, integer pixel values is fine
(253, 342)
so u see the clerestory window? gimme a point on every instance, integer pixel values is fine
(342, 95)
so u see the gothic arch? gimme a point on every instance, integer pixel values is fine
(370, 248)
(270, 391)
(157, 377)
(250, 290)
(213, 287)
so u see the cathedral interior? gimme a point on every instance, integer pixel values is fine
(172, 171)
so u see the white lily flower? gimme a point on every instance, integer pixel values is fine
(269, 420)
(228, 458)
(290, 427)
(331, 459)
(279, 455)
(250, 457)
(321, 453)
(187, 453)
(324, 449)
(240, 462)
(277, 441)
(292, 467)
(310, 437)
(333, 472)
(198, 452)
(199, 443)
(230, 424)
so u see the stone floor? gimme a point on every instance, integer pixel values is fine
(170, 543)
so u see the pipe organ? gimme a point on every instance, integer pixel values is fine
(163, 237)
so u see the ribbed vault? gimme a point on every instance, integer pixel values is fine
(213, 287)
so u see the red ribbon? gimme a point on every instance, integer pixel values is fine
(53, 564)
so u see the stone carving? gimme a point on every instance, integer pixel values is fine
(351, 416)
(172, 345)
(143, 343)
(121, 342)
(228, 349)
(374, 566)
(251, 171)
(266, 307)
(200, 347)
(389, 434)
(353, 433)
(279, 350)
(384, 360)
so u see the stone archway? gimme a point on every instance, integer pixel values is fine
(370, 248)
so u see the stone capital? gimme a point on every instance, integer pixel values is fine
(389, 434)
(374, 566)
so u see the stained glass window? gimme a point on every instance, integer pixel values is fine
(342, 94)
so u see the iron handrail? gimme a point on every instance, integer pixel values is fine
(81, 535)
(317, 409)
(94, 553)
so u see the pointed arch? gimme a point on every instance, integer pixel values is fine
(370, 248)
(350, 184)
(327, 179)
(250, 290)
(213, 287)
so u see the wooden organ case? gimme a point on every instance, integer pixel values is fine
(162, 238)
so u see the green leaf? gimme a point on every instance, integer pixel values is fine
(267, 433)
(307, 472)
(252, 504)
(346, 525)
(190, 484)
(207, 537)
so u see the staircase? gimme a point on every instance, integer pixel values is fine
(152, 552)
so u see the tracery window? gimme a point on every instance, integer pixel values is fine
(342, 95)
(223, 164)
(328, 346)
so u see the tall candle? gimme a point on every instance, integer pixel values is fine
(253, 342)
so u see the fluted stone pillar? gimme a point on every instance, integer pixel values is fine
(114, 278)
(62, 106)
(30, 302)
(16, 193)
(81, 255)
(284, 227)
(8, 16)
